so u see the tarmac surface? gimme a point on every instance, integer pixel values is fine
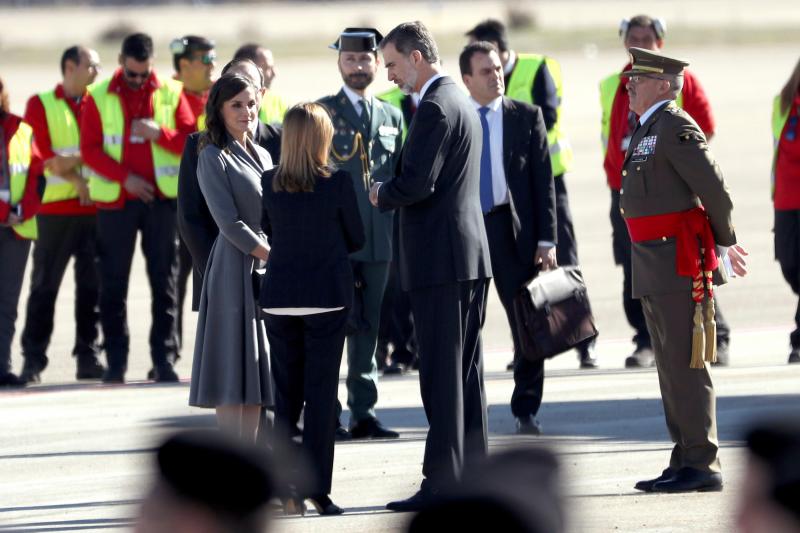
(78, 456)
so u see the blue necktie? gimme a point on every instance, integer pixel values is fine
(487, 198)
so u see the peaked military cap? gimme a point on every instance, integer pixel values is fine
(358, 40)
(649, 62)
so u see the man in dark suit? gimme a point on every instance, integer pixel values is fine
(518, 202)
(678, 211)
(443, 257)
(195, 224)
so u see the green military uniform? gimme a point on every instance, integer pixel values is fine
(369, 154)
(668, 170)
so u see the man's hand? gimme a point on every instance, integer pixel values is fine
(80, 186)
(546, 257)
(736, 255)
(373, 193)
(145, 128)
(13, 220)
(260, 252)
(61, 164)
(140, 188)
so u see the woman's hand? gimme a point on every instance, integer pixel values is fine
(260, 252)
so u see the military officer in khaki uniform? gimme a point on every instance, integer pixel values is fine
(678, 212)
(367, 141)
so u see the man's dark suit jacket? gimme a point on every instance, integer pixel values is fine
(195, 224)
(311, 235)
(442, 237)
(529, 176)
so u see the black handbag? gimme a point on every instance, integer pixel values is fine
(356, 323)
(553, 313)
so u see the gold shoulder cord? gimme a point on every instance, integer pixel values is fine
(358, 145)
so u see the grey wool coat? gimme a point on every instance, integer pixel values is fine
(231, 363)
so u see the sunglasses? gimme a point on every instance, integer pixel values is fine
(130, 74)
(791, 127)
(637, 78)
(207, 59)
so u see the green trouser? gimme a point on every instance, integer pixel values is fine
(362, 371)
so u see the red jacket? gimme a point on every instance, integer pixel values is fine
(137, 158)
(37, 118)
(695, 103)
(787, 164)
(197, 103)
(31, 198)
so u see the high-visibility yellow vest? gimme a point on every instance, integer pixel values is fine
(519, 88)
(608, 91)
(779, 118)
(395, 98)
(165, 163)
(201, 122)
(64, 140)
(273, 107)
(19, 161)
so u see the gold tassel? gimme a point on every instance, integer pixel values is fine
(711, 332)
(698, 346)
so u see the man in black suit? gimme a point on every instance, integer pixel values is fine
(443, 257)
(195, 224)
(518, 202)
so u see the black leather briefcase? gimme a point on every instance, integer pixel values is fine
(553, 313)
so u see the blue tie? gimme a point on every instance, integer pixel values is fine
(487, 198)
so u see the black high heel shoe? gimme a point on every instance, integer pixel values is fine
(293, 506)
(324, 505)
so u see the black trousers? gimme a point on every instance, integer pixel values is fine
(14, 254)
(306, 352)
(510, 273)
(787, 252)
(62, 237)
(621, 242)
(184, 270)
(116, 240)
(397, 324)
(567, 249)
(449, 319)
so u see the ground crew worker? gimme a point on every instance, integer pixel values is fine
(20, 193)
(536, 79)
(133, 128)
(368, 135)
(677, 209)
(618, 123)
(273, 105)
(194, 60)
(66, 221)
(786, 191)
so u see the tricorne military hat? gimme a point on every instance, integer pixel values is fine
(650, 62)
(358, 40)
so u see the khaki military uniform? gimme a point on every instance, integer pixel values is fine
(668, 168)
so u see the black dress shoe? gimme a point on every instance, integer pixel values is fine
(89, 368)
(587, 359)
(32, 369)
(690, 480)
(325, 506)
(341, 433)
(166, 374)
(643, 357)
(527, 425)
(647, 484)
(510, 366)
(371, 428)
(794, 356)
(424, 497)
(114, 375)
(394, 369)
(11, 380)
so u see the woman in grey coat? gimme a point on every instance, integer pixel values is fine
(231, 370)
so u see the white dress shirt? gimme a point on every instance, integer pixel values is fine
(650, 111)
(495, 119)
(356, 98)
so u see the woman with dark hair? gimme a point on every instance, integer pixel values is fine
(20, 197)
(786, 191)
(231, 370)
(311, 218)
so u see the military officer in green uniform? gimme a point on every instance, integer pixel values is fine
(678, 213)
(366, 143)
